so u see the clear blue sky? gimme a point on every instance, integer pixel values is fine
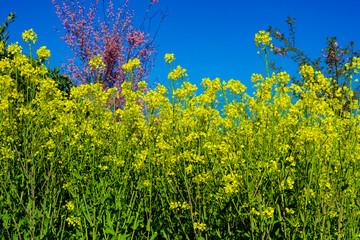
(210, 38)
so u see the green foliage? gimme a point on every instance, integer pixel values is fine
(3, 35)
(63, 82)
(335, 59)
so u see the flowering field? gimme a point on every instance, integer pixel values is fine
(73, 169)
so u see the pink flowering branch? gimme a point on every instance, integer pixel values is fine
(115, 39)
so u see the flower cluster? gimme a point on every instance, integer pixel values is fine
(169, 57)
(177, 73)
(29, 35)
(70, 206)
(200, 226)
(43, 53)
(263, 38)
(235, 87)
(289, 211)
(129, 65)
(14, 48)
(103, 167)
(269, 212)
(175, 205)
(97, 62)
(73, 221)
(355, 64)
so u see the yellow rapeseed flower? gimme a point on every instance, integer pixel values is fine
(269, 212)
(169, 57)
(200, 226)
(14, 48)
(174, 205)
(73, 221)
(130, 64)
(235, 87)
(43, 53)
(263, 38)
(29, 35)
(96, 61)
(70, 206)
(177, 73)
(289, 211)
(147, 183)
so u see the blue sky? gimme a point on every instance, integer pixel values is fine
(209, 38)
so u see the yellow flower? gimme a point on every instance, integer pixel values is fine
(129, 65)
(290, 211)
(70, 206)
(73, 221)
(269, 212)
(147, 183)
(263, 37)
(43, 53)
(29, 35)
(96, 61)
(200, 226)
(177, 73)
(185, 206)
(169, 57)
(103, 167)
(189, 169)
(174, 205)
(14, 48)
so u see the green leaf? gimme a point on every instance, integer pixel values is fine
(292, 222)
(154, 236)
(6, 217)
(124, 236)
(148, 226)
(218, 233)
(108, 218)
(136, 224)
(278, 208)
(46, 223)
(131, 219)
(277, 233)
(110, 230)
(163, 233)
(247, 235)
(302, 217)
